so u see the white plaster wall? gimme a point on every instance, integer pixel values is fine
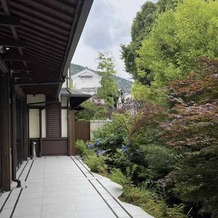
(44, 123)
(97, 124)
(34, 123)
(64, 123)
(63, 101)
(86, 82)
(35, 98)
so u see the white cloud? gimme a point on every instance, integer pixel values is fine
(104, 27)
(108, 26)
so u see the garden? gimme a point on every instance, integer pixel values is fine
(166, 156)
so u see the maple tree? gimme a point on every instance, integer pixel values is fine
(192, 130)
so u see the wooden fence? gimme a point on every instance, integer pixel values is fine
(82, 130)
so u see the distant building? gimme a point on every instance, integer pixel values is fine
(86, 81)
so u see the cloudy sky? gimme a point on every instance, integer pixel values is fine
(108, 26)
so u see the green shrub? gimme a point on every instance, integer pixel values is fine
(153, 162)
(118, 177)
(96, 164)
(92, 111)
(160, 160)
(116, 133)
(81, 147)
(150, 203)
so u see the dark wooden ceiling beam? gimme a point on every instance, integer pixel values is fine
(45, 25)
(36, 13)
(41, 22)
(34, 90)
(42, 83)
(5, 7)
(43, 32)
(71, 4)
(22, 74)
(19, 68)
(14, 57)
(36, 44)
(45, 54)
(46, 37)
(5, 33)
(51, 8)
(45, 61)
(39, 69)
(50, 42)
(48, 32)
(6, 20)
(12, 42)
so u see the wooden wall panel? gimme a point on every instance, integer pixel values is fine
(54, 146)
(53, 119)
(72, 139)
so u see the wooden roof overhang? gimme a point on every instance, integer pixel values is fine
(76, 98)
(38, 39)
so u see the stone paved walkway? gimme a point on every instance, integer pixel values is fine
(62, 187)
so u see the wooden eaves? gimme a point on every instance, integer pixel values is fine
(38, 38)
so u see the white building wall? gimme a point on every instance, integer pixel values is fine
(64, 101)
(97, 124)
(44, 123)
(34, 128)
(86, 82)
(64, 123)
(34, 123)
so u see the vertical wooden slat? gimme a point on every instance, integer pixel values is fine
(82, 130)
(5, 135)
(53, 121)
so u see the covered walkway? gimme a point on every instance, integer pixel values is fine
(62, 187)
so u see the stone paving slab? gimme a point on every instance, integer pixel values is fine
(63, 187)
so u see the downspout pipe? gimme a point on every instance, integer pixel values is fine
(14, 134)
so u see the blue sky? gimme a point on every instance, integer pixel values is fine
(108, 26)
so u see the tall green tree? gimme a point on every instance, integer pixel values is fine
(109, 88)
(92, 111)
(178, 38)
(141, 27)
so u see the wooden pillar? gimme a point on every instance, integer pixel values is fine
(6, 135)
(25, 128)
(72, 135)
(28, 130)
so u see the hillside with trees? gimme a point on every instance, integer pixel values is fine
(123, 84)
